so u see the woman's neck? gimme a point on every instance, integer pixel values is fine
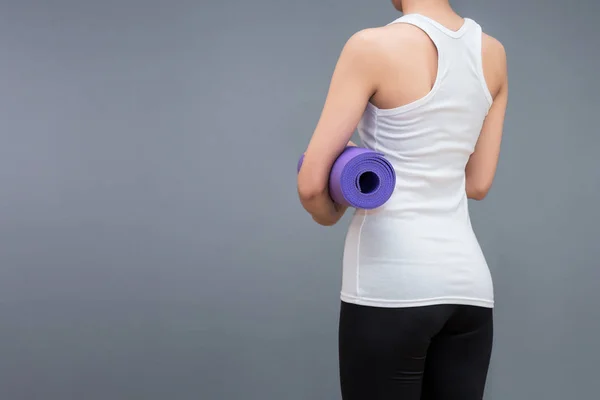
(430, 8)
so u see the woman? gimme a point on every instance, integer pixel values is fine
(429, 91)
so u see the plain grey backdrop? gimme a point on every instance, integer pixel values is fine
(152, 245)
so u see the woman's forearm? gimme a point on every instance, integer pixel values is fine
(319, 204)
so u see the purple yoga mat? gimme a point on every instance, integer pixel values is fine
(360, 178)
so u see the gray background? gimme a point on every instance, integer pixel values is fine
(151, 242)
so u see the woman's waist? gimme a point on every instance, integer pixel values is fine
(413, 218)
(424, 240)
(431, 204)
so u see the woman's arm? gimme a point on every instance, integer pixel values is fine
(352, 85)
(481, 168)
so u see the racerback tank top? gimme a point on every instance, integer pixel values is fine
(419, 248)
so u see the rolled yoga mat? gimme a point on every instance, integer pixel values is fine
(360, 178)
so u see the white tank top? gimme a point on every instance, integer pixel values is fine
(419, 248)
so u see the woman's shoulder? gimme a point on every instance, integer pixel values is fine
(396, 37)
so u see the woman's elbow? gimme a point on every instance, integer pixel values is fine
(307, 194)
(309, 189)
(478, 192)
(478, 196)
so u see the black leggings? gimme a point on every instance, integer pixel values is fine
(439, 352)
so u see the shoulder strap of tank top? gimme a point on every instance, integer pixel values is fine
(445, 40)
(437, 36)
(433, 28)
